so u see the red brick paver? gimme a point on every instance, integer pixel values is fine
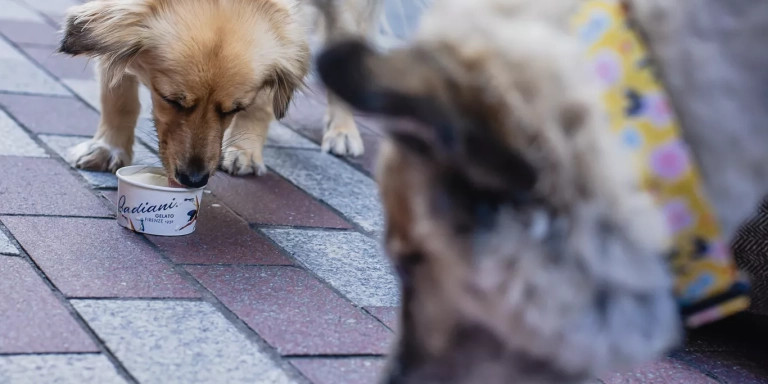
(294, 312)
(32, 320)
(63, 115)
(271, 200)
(340, 370)
(44, 187)
(220, 238)
(662, 372)
(97, 258)
(387, 315)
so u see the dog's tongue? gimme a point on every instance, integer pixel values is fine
(173, 184)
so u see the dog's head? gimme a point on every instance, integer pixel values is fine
(204, 62)
(525, 253)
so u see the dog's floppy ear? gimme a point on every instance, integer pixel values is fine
(112, 30)
(288, 76)
(284, 83)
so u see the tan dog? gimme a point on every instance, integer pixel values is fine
(219, 72)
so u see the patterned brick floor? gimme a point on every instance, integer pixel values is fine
(283, 281)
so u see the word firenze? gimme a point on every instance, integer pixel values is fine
(145, 207)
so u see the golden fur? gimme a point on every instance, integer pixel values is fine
(527, 250)
(219, 72)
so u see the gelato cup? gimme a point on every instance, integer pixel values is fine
(146, 204)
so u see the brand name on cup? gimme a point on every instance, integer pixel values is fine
(145, 207)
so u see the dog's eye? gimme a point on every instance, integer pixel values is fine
(232, 111)
(176, 104)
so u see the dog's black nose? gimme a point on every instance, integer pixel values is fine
(193, 179)
(193, 173)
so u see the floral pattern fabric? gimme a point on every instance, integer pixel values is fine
(707, 283)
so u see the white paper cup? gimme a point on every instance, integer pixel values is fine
(155, 210)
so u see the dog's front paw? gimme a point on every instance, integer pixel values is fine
(342, 138)
(96, 155)
(241, 162)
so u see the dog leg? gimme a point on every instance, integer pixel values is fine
(342, 20)
(242, 152)
(341, 135)
(112, 146)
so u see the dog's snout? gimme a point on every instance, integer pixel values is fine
(193, 179)
(194, 175)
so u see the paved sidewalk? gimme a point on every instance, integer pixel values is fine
(283, 282)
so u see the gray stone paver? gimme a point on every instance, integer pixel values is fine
(331, 180)
(7, 51)
(6, 245)
(146, 132)
(15, 11)
(16, 142)
(58, 369)
(61, 145)
(88, 90)
(281, 136)
(349, 261)
(18, 74)
(51, 6)
(169, 342)
(26, 33)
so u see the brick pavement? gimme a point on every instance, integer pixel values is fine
(283, 281)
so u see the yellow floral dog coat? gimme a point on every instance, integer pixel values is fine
(707, 283)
